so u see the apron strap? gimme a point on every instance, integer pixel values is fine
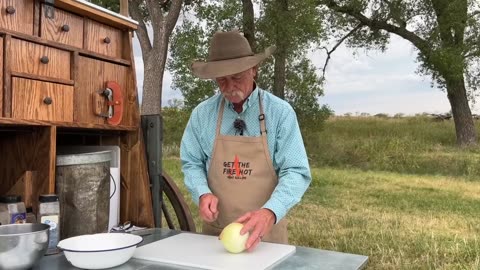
(220, 117)
(261, 117)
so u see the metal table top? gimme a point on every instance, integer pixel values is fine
(303, 258)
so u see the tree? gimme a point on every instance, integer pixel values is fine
(162, 16)
(446, 34)
(291, 76)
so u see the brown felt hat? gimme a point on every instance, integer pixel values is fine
(229, 53)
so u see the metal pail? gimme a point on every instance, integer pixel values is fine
(83, 186)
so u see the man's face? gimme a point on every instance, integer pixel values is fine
(238, 86)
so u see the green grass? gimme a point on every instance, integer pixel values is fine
(396, 190)
(407, 145)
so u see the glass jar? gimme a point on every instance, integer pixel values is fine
(49, 213)
(31, 218)
(12, 210)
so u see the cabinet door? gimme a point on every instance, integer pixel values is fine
(39, 100)
(91, 78)
(64, 27)
(17, 15)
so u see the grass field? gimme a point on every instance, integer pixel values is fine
(396, 190)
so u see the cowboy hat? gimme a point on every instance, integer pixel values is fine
(229, 53)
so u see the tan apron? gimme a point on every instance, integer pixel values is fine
(241, 175)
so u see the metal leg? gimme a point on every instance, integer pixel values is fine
(152, 134)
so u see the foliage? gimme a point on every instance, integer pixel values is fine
(189, 43)
(174, 122)
(191, 40)
(113, 5)
(438, 56)
(445, 34)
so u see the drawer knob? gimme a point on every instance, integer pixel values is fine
(65, 28)
(47, 100)
(10, 10)
(107, 40)
(44, 60)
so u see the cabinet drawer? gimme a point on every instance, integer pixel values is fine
(41, 100)
(17, 15)
(64, 27)
(31, 58)
(103, 39)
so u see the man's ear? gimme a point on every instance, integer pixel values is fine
(254, 71)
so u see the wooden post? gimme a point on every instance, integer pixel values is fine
(124, 7)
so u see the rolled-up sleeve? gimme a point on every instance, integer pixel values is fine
(292, 166)
(194, 159)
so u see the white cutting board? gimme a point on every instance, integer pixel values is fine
(207, 252)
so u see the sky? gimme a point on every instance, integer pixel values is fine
(360, 82)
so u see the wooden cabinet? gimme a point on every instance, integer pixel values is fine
(56, 61)
(64, 27)
(17, 15)
(41, 100)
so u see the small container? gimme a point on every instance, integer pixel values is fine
(49, 213)
(31, 218)
(12, 210)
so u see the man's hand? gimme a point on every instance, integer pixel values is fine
(208, 207)
(258, 223)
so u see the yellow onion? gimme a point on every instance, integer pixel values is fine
(231, 238)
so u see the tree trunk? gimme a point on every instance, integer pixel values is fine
(281, 53)
(152, 83)
(155, 49)
(248, 23)
(462, 115)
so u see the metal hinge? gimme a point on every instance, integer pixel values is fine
(49, 9)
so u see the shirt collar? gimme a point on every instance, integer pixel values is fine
(252, 99)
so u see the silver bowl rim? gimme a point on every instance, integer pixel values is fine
(47, 227)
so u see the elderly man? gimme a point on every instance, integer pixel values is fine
(242, 152)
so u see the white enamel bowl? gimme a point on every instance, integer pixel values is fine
(99, 251)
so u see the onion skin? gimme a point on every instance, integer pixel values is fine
(231, 238)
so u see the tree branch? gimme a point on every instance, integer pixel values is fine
(417, 41)
(474, 53)
(142, 33)
(155, 11)
(249, 23)
(475, 13)
(337, 45)
(400, 21)
(173, 14)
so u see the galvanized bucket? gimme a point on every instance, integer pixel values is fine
(83, 187)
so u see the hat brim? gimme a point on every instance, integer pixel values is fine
(217, 69)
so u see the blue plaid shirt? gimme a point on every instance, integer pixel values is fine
(285, 144)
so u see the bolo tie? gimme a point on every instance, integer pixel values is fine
(239, 126)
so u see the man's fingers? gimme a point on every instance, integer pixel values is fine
(254, 245)
(213, 205)
(205, 212)
(208, 207)
(242, 219)
(248, 226)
